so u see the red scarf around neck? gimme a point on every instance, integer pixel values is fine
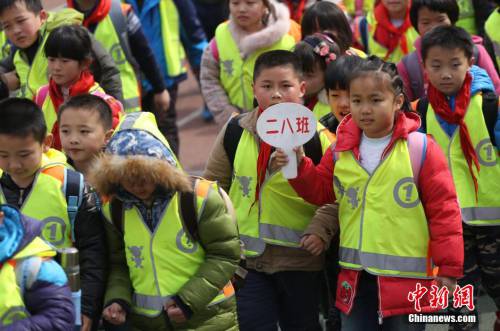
(262, 162)
(82, 86)
(296, 9)
(442, 108)
(387, 34)
(97, 15)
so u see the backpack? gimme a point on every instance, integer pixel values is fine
(234, 131)
(416, 75)
(489, 107)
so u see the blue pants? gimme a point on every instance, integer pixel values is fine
(290, 298)
(364, 313)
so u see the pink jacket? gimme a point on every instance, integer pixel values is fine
(484, 61)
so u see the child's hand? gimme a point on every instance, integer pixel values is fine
(313, 244)
(279, 159)
(174, 313)
(449, 282)
(162, 103)
(114, 314)
(11, 80)
(86, 323)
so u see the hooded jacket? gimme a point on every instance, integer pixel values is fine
(134, 153)
(49, 298)
(484, 61)
(213, 92)
(438, 197)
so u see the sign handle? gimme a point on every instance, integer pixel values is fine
(290, 170)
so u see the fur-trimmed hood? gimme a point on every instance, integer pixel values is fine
(274, 31)
(138, 155)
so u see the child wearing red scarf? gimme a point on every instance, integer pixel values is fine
(69, 57)
(460, 123)
(386, 31)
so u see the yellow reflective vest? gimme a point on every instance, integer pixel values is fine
(160, 263)
(467, 19)
(47, 203)
(33, 76)
(236, 73)
(109, 36)
(320, 109)
(280, 216)
(486, 210)
(12, 306)
(373, 206)
(4, 44)
(491, 28)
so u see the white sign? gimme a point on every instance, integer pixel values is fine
(286, 126)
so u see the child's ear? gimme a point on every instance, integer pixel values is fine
(43, 15)
(399, 101)
(302, 88)
(108, 135)
(85, 64)
(47, 142)
(471, 61)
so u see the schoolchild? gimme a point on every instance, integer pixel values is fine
(283, 246)
(325, 16)
(425, 15)
(386, 31)
(386, 178)
(86, 125)
(315, 53)
(27, 25)
(461, 113)
(53, 194)
(68, 54)
(173, 246)
(254, 27)
(33, 287)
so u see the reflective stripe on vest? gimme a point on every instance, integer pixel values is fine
(12, 306)
(466, 18)
(236, 73)
(374, 48)
(486, 211)
(371, 206)
(266, 221)
(107, 35)
(160, 263)
(49, 111)
(491, 28)
(175, 56)
(47, 202)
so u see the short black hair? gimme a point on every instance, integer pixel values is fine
(448, 37)
(338, 73)
(69, 41)
(89, 103)
(277, 58)
(22, 117)
(34, 6)
(327, 16)
(448, 7)
(309, 57)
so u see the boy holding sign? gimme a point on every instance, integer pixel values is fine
(282, 245)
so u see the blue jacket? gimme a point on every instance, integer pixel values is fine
(192, 35)
(49, 298)
(480, 82)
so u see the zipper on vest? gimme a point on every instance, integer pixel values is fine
(242, 82)
(379, 312)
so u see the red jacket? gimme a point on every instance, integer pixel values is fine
(439, 199)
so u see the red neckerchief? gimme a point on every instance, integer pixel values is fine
(442, 108)
(387, 34)
(262, 161)
(82, 86)
(296, 11)
(311, 103)
(97, 15)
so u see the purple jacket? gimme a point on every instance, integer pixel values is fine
(48, 300)
(484, 61)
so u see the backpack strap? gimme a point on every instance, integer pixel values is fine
(417, 147)
(475, 54)
(422, 105)
(363, 31)
(313, 150)
(189, 212)
(232, 138)
(490, 113)
(415, 74)
(42, 95)
(116, 211)
(73, 190)
(27, 270)
(120, 24)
